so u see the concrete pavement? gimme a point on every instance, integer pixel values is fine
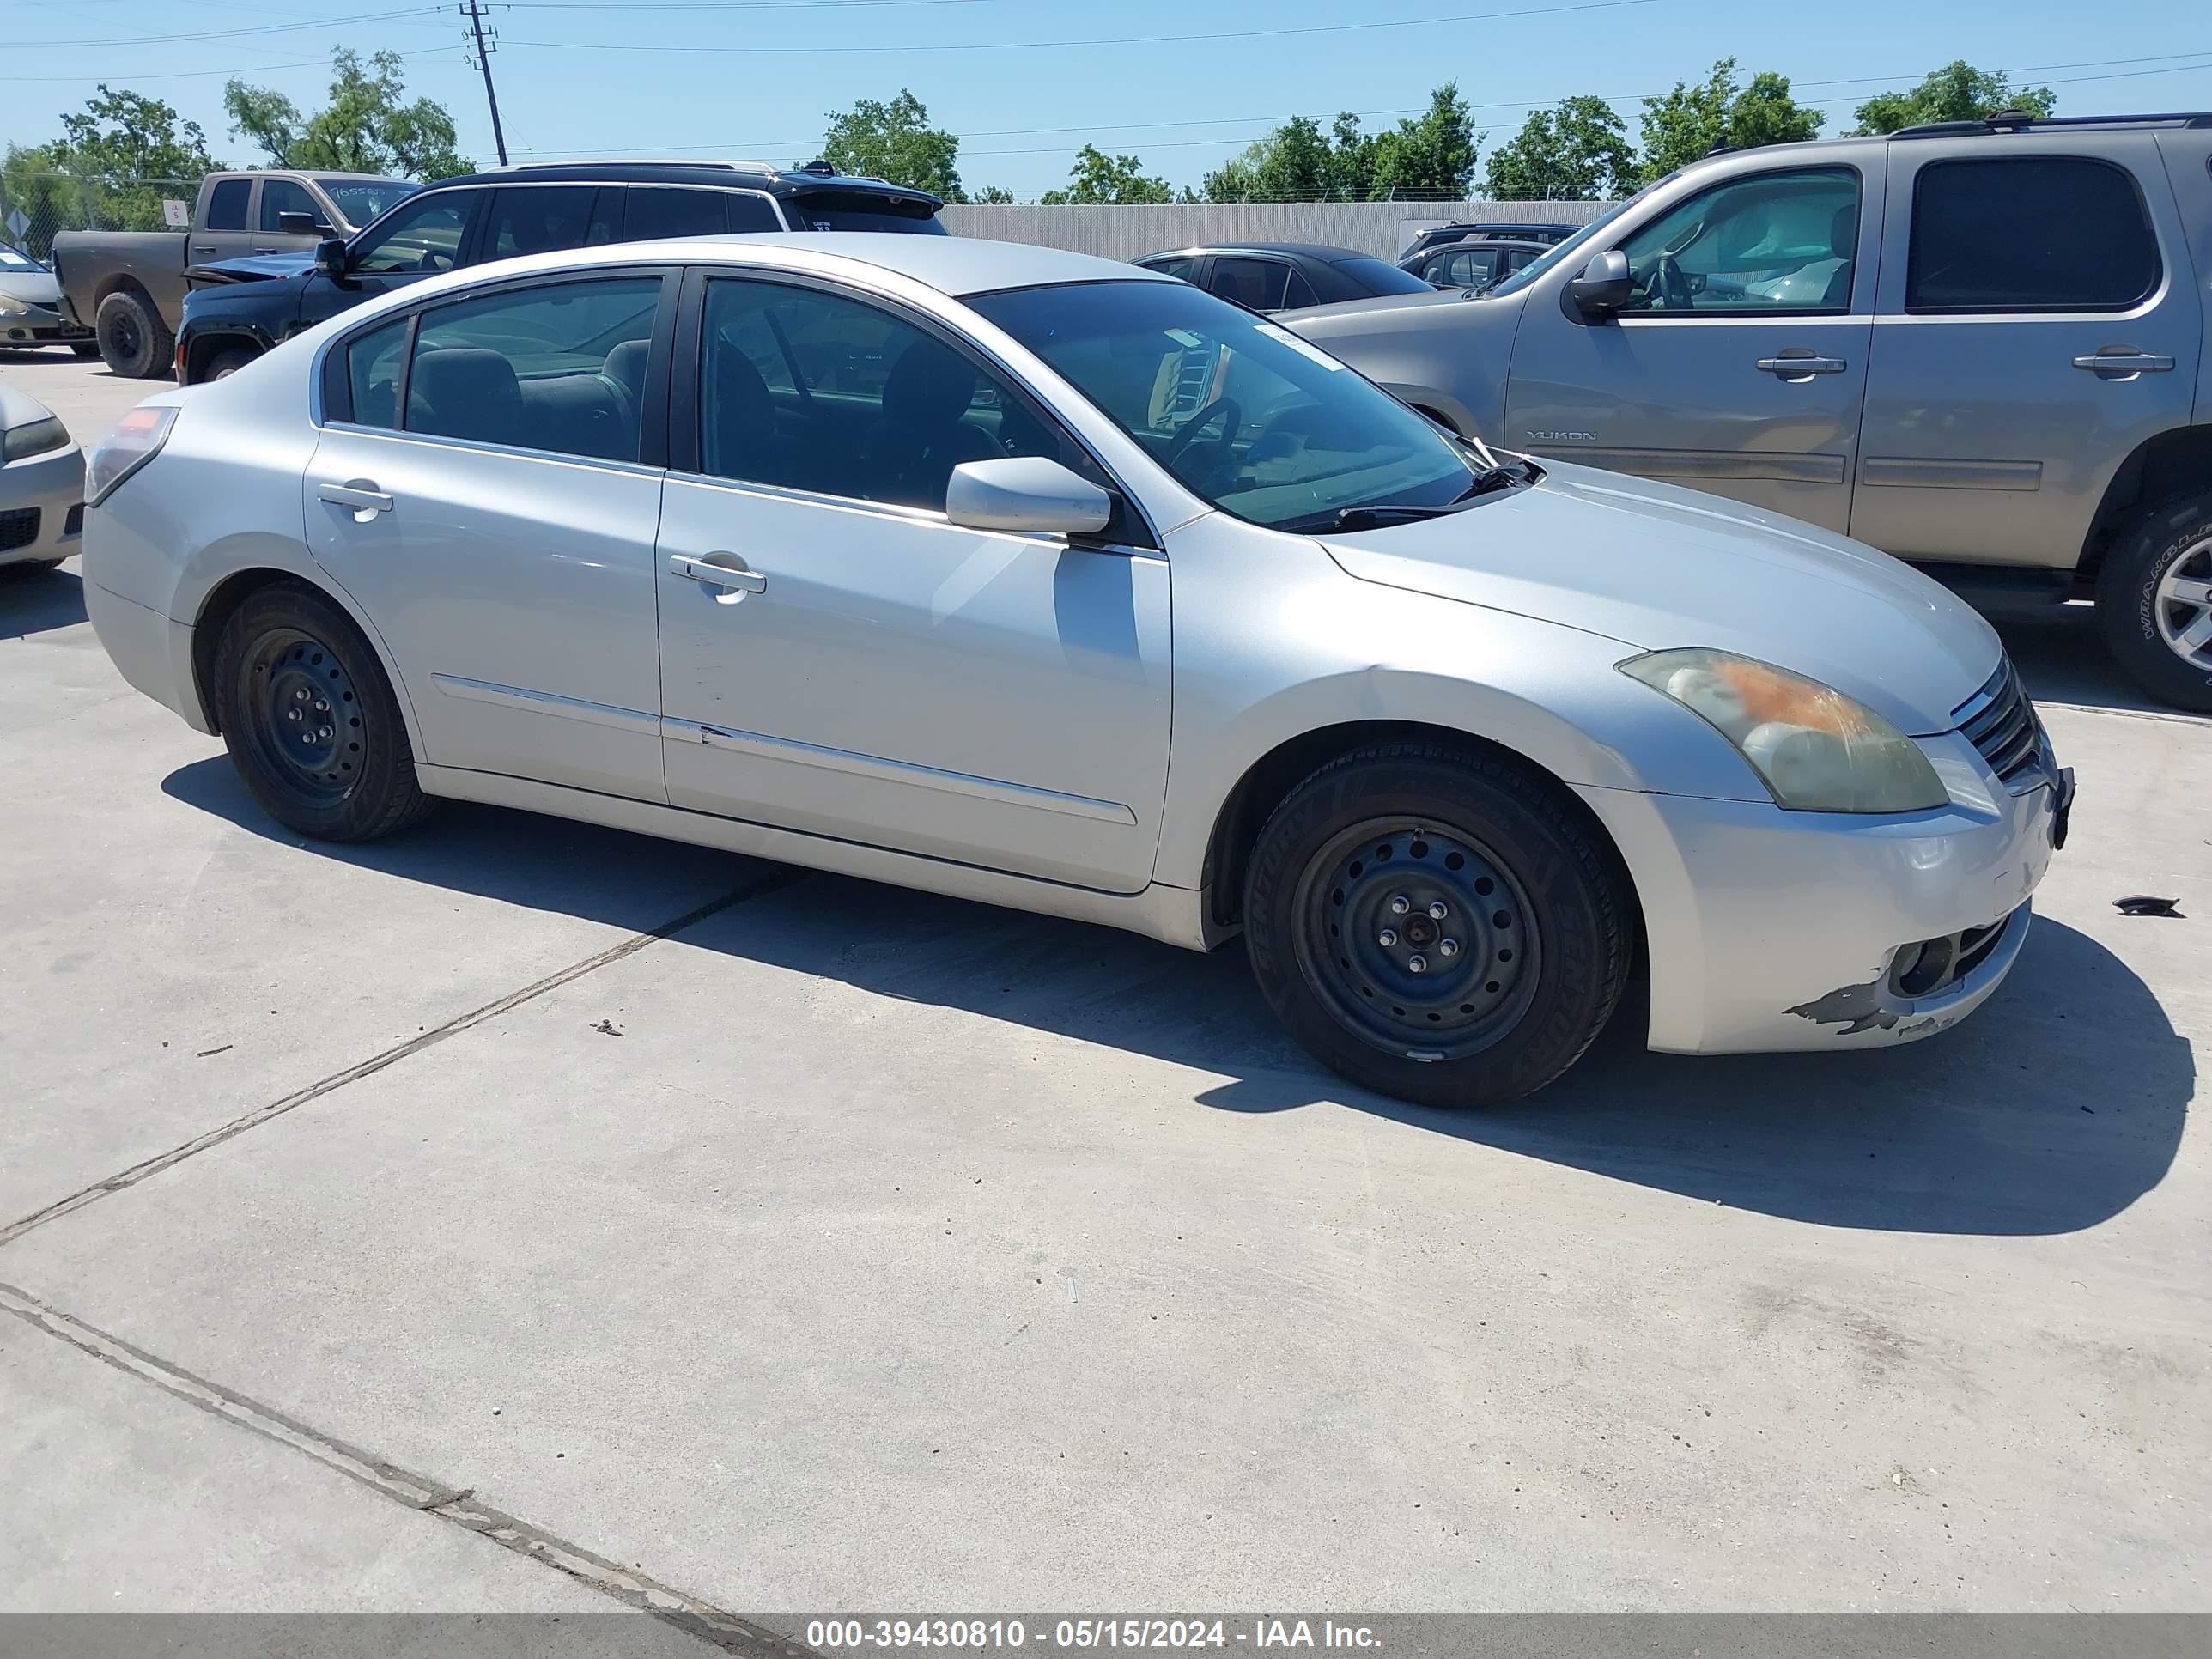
(802, 1245)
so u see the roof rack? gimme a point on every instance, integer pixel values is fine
(2021, 120)
(640, 161)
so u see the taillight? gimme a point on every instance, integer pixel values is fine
(130, 444)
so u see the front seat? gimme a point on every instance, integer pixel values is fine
(738, 429)
(1843, 238)
(466, 391)
(924, 436)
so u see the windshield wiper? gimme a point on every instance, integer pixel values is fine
(1382, 512)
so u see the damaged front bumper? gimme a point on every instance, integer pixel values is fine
(1769, 930)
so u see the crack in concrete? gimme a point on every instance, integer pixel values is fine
(424, 1493)
(774, 880)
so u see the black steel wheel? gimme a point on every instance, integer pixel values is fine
(133, 340)
(310, 719)
(1442, 925)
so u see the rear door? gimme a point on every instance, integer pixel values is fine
(1739, 367)
(487, 485)
(224, 228)
(2039, 317)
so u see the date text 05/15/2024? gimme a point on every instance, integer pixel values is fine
(830, 1634)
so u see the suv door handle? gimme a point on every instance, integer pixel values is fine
(362, 497)
(2118, 364)
(1801, 369)
(709, 571)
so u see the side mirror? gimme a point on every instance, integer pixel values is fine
(293, 222)
(331, 258)
(1604, 286)
(1027, 494)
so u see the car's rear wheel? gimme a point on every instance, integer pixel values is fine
(310, 719)
(2154, 601)
(133, 339)
(1436, 925)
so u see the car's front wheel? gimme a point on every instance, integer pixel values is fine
(310, 719)
(1436, 924)
(2154, 601)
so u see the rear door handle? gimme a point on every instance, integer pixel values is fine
(1801, 369)
(362, 497)
(2117, 363)
(717, 570)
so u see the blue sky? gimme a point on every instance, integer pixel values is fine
(756, 77)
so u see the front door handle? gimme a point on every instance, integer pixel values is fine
(2120, 364)
(364, 497)
(1800, 365)
(269, 250)
(725, 570)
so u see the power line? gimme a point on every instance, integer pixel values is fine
(1111, 40)
(132, 79)
(226, 34)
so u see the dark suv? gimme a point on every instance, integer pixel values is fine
(239, 308)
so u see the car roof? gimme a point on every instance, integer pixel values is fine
(953, 266)
(1322, 251)
(745, 176)
(1510, 243)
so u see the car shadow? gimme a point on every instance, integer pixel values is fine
(2056, 1107)
(37, 598)
(2062, 659)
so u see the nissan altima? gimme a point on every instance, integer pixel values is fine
(1031, 578)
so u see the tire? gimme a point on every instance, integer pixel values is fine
(2149, 596)
(1544, 944)
(289, 648)
(134, 341)
(222, 364)
(85, 349)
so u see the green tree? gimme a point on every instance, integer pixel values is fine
(993, 194)
(1299, 162)
(1689, 121)
(1429, 159)
(1578, 153)
(365, 128)
(117, 159)
(1957, 92)
(1098, 177)
(895, 142)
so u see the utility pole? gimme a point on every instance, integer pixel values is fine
(473, 10)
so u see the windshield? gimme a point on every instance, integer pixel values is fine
(17, 259)
(364, 199)
(1247, 416)
(1567, 250)
(1377, 277)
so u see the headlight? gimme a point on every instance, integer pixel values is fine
(33, 438)
(12, 307)
(1816, 749)
(130, 444)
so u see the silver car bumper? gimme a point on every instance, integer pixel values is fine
(38, 324)
(42, 506)
(1773, 930)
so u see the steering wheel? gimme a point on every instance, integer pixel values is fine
(1232, 421)
(1673, 283)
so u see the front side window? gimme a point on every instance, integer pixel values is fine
(226, 208)
(421, 237)
(557, 367)
(815, 390)
(1259, 284)
(282, 196)
(1773, 242)
(539, 219)
(2029, 234)
(1245, 414)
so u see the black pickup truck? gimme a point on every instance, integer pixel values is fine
(240, 308)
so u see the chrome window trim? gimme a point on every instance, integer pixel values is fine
(482, 446)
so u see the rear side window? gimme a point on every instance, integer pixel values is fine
(2029, 234)
(1257, 284)
(558, 366)
(662, 210)
(372, 363)
(540, 219)
(226, 208)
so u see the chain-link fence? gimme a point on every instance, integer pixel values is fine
(37, 205)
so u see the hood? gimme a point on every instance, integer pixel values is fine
(36, 287)
(1656, 567)
(251, 268)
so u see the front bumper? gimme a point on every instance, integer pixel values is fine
(42, 508)
(1770, 930)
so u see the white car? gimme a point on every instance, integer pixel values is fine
(1032, 578)
(41, 483)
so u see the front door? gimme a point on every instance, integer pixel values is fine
(2037, 321)
(1739, 365)
(482, 494)
(837, 659)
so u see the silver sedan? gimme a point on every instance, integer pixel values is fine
(41, 483)
(1034, 579)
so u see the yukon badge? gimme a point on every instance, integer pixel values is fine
(1563, 437)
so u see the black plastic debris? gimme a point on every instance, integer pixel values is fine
(2143, 904)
